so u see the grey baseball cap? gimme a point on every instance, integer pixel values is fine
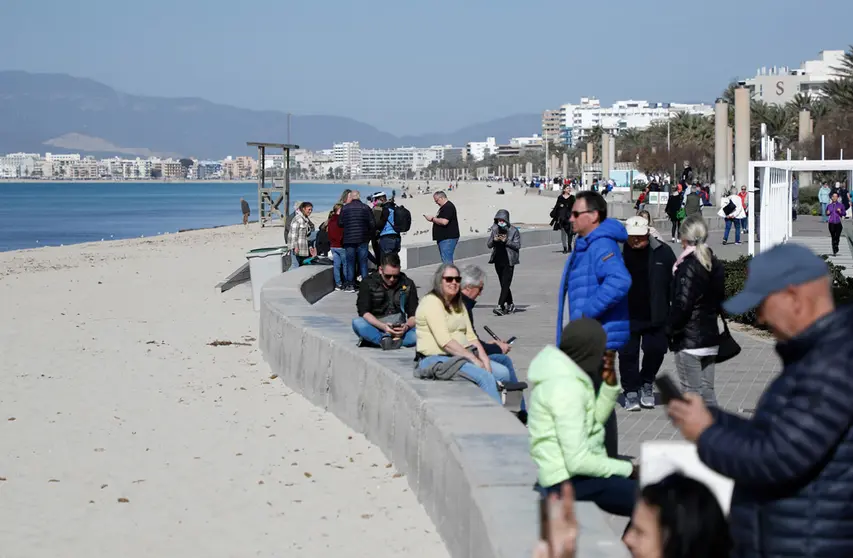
(782, 266)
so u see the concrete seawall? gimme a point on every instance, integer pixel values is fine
(465, 457)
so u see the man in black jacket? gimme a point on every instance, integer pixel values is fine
(357, 221)
(791, 462)
(650, 264)
(386, 304)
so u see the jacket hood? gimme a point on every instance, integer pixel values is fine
(503, 214)
(609, 228)
(552, 363)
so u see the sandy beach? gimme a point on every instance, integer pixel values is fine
(124, 432)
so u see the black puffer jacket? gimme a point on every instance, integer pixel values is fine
(381, 301)
(792, 463)
(696, 298)
(357, 221)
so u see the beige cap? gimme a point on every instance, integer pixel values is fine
(637, 226)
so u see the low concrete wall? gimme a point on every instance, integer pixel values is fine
(465, 457)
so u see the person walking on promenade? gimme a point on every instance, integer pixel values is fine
(795, 198)
(595, 282)
(336, 240)
(446, 342)
(692, 202)
(698, 289)
(823, 196)
(574, 392)
(791, 461)
(300, 228)
(358, 224)
(244, 207)
(834, 213)
(561, 217)
(731, 209)
(674, 210)
(744, 201)
(844, 196)
(445, 227)
(649, 262)
(505, 243)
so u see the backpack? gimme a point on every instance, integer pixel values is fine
(402, 219)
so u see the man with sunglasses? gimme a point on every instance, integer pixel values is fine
(386, 304)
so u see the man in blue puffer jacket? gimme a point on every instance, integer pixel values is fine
(595, 279)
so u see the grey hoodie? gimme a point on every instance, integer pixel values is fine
(513, 239)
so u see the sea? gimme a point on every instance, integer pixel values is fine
(35, 214)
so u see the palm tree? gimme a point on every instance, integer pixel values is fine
(594, 137)
(839, 91)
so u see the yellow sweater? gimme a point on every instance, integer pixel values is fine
(435, 327)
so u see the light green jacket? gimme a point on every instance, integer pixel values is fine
(566, 421)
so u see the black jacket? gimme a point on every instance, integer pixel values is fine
(661, 260)
(696, 298)
(792, 462)
(379, 300)
(562, 212)
(673, 204)
(357, 221)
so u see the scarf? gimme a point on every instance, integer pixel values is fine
(687, 251)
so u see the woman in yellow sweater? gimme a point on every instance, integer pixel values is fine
(444, 333)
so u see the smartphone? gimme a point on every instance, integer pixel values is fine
(668, 389)
(511, 340)
(492, 333)
(397, 326)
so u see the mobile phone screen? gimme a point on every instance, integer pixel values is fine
(668, 389)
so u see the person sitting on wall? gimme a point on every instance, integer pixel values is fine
(387, 302)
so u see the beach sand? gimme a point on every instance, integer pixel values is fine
(124, 433)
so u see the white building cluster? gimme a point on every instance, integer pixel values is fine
(571, 123)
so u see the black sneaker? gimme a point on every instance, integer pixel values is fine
(498, 311)
(390, 344)
(522, 416)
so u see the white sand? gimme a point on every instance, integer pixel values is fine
(110, 390)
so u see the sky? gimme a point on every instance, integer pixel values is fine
(411, 67)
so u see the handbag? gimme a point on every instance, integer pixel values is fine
(730, 208)
(682, 213)
(728, 348)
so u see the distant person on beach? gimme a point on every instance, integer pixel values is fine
(358, 223)
(300, 229)
(445, 227)
(244, 207)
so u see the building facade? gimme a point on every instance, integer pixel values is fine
(778, 86)
(551, 121)
(348, 156)
(478, 150)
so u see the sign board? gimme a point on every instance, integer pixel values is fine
(658, 198)
(660, 459)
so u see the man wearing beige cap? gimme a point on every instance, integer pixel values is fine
(649, 262)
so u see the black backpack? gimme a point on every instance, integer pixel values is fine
(402, 219)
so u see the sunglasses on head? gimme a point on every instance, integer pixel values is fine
(452, 279)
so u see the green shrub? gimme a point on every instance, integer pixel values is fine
(842, 287)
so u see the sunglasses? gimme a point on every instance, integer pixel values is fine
(577, 214)
(452, 279)
(391, 276)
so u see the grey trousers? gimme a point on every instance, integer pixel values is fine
(697, 375)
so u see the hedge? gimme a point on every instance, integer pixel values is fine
(842, 287)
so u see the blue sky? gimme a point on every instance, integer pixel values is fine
(415, 67)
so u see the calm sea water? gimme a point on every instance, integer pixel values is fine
(34, 214)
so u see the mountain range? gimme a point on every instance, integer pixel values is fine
(60, 113)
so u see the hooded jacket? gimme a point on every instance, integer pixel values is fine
(596, 283)
(513, 239)
(566, 420)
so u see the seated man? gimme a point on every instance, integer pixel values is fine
(473, 281)
(387, 301)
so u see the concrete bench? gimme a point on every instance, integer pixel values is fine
(465, 458)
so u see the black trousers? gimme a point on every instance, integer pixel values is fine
(504, 272)
(654, 343)
(675, 225)
(835, 233)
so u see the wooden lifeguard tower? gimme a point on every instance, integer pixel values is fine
(273, 199)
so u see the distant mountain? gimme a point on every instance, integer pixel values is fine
(61, 113)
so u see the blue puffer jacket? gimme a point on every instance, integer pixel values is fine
(597, 282)
(357, 221)
(792, 463)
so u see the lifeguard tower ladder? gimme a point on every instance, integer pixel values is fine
(273, 198)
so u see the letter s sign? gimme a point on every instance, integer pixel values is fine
(780, 88)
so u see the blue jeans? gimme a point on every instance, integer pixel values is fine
(487, 382)
(823, 207)
(372, 335)
(503, 359)
(616, 495)
(729, 227)
(356, 251)
(446, 249)
(389, 243)
(339, 264)
(744, 225)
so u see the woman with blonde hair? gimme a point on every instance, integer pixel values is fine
(698, 290)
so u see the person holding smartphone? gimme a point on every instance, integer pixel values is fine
(505, 243)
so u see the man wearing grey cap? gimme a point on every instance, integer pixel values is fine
(792, 462)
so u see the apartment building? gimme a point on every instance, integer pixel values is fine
(347, 155)
(779, 85)
(478, 150)
(551, 121)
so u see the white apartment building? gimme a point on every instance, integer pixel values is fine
(394, 162)
(478, 150)
(779, 85)
(19, 165)
(348, 155)
(530, 141)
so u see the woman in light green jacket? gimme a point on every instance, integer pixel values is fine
(566, 416)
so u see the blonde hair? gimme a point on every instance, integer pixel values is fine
(694, 232)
